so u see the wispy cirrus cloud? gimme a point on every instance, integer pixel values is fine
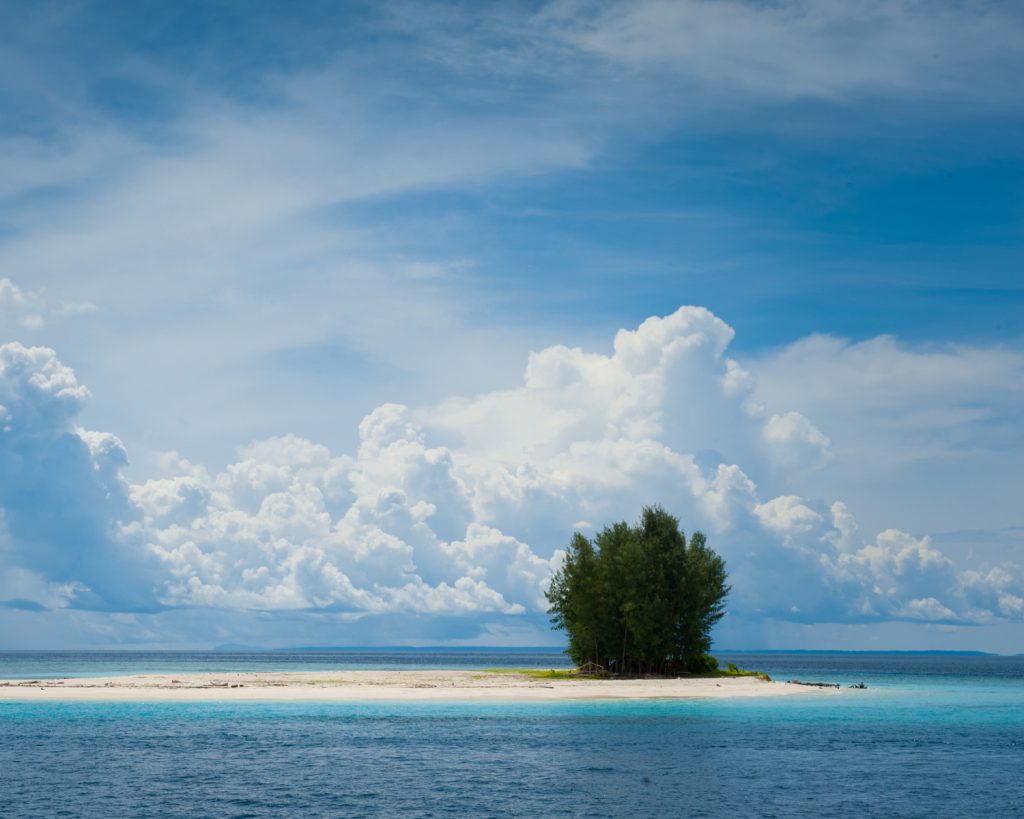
(818, 50)
(22, 310)
(226, 199)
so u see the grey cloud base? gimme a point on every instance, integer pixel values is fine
(447, 521)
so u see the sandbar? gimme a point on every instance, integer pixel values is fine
(410, 685)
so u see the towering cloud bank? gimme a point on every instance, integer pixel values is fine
(64, 507)
(460, 508)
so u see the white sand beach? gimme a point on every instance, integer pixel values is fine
(385, 685)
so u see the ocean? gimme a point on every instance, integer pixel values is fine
(933, 735)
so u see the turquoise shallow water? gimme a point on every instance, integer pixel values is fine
(931, 736)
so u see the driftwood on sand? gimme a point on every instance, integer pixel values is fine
(814, 684)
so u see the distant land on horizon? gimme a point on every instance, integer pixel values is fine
(230, 648)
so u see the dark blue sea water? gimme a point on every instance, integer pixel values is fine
(47, 664)
(932, 736)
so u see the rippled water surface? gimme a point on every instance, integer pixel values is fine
(931, 736)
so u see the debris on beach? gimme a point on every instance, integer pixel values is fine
(814, 684)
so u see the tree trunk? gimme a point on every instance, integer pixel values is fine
(625, 637)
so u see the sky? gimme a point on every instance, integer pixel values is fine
(329, 323)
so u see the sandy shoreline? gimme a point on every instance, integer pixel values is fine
(353, 686)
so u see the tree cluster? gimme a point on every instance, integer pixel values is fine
(640, 599)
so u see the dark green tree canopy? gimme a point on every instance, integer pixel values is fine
(640, 599)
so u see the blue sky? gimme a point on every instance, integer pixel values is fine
(237, 230)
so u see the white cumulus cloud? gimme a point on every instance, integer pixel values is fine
(461, 508)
